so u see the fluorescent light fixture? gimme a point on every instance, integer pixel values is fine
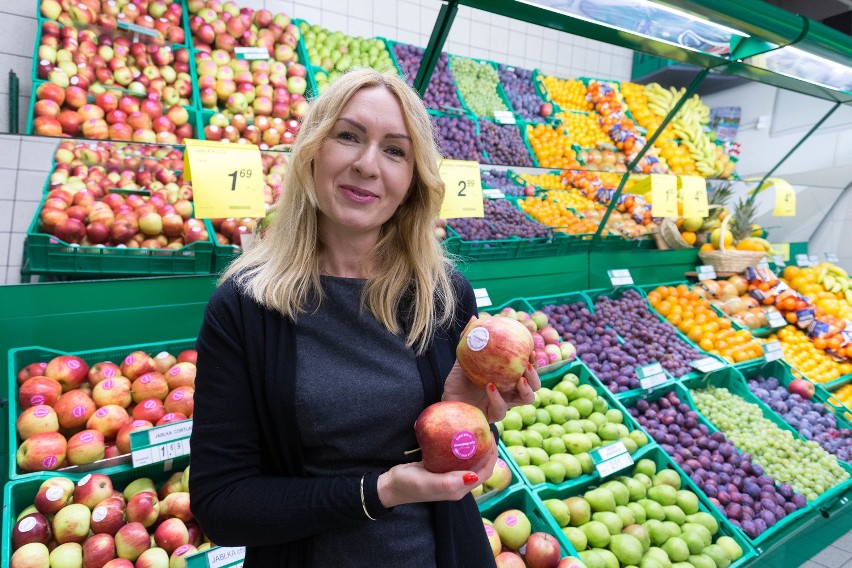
(689, 16)
(805, 66)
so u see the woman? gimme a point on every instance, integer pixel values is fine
(324, 343)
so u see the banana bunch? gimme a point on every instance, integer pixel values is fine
(834, 279)
(688, 125)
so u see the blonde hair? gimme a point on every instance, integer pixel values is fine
(282, 271)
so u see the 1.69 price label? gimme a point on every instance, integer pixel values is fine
(227, 179)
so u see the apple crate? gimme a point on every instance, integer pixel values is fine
(20, 493)
(663, 461)
(787, 524)
(523, 499)
(49, 255)
(223, 255)
(550, 380)
(23, 356)
(500, 92)
(516, 479)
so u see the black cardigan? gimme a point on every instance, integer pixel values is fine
(247, 478)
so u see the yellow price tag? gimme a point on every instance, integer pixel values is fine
(694, 190)
(783, 249)
(785, 198)
(463, 189)
(227, 179)
(663, 196)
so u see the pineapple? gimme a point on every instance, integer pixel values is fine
(719, 195)
(741, 220)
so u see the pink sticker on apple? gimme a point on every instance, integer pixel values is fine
(99, 514)
(167, 417)
(129, 360)
(108, 384)
(41, 412)
(174, 371)
(84, 481)
(177, 395)
(511, 520)
(49, 462)
(36, 400)
(477, 339)
(501, 463)
(463, 445)
(109, 372)
(87, 437)
(42, 366)
(79, 411)
(181, 550)
(489, 530)
(138, 423)
(149, 404)
(27, 524)
(55, 493)
(102, 412)
(74, 363)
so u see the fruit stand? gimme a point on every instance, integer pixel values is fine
(678, 422)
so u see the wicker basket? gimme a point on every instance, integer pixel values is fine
(730, 260)
(671, 236)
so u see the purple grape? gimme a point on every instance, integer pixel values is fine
(456, 137)
(441, 91)
(503, 144)
(496, 179)
(517, 83)
(501, 221)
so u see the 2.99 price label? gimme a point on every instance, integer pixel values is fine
(462, 189)
(227, 179)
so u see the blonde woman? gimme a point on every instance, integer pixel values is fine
(324, 343)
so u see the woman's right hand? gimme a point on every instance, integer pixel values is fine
(412, 483)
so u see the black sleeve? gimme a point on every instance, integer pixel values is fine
(234, 502)
(465, 304)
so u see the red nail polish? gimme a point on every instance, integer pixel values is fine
(524, 381)
(529, 367)
(491, 387)
(470, 478)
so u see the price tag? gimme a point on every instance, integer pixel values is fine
(463, 189)
(772, 350)
(707, 364)
(651, 375)
(814, 259)
(663, 196)
(706, 272)
(831, 257)
(218, 557)
(227, 179)
(775, 319)
(779, 260)
(764, 265)
(785, 198)
(251, 53)
(802, 260)
(161, 443)
(493, 193)
(611, 458)
(694, 190)
(504, 117)
(620, 277)
(482, 299)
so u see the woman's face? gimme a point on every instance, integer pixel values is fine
(364, 169)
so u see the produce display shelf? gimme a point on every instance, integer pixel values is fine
(20, 493)
(523, 499)
(662, 460)
(761, 332)
(787, 524)
(21, 357)
(500, 92)
(48, 254)
(520, 125)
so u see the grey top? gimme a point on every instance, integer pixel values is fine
(358, 393)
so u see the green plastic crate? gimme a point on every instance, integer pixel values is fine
(23, 356)
(536, 90)
(516, 481)
(663, 461)
(787, 524)
(500, 93)
(47, 254)
(522, 499)
(223, 255)
(19, 494)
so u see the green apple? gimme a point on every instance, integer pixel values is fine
(500, 478)
(513, 527)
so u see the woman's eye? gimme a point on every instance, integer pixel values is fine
(397, 152)
(347, 136)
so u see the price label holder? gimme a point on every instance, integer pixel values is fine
(694, 190)
(251, 53)
(803, 260)
(664, 196)
(778, 259)
(785, 198)
(775, 319)
(493, 193)
(705, 272)
(707, 365)
(611, 458)
(831, 257)
(814, 259)
(218, 557)
(651, 375)
(763, 265)
(482, 299)
(227, 179)
(463, 193)
(504, 117)
(620, 277)
(161, 443)
(772, 350)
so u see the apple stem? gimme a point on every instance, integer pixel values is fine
(409, 452)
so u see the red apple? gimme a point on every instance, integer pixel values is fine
(102, 371)
(509, 559)
(73, 409)
(143, 508)
(150, 385)
(31, 555)
(42, 452)
(98, 549)
(151, 410)
(180, 401)
(35, 420)
(46, 108)
(131, 541)
(92, 489)
(122, 439)
(176, 505)
(453, 436)
(38, 390)
(108, 420)
(181, 375)
(47, 126)
(113, 391)
(802, 387)
(171, 534)
(32, 528)
(137, 364)
(70, 230)
(495, 350)
(170, 417)
(31, 370)
(85, 447)
(52, 92)
(108, 516)
(53, 494)
(542, 551)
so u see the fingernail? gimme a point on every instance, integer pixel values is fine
(524, 381)
(470, 478)
(491, 387)
(529, 367)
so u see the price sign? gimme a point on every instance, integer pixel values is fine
(161, 443)
(694, 190)
(493, 193)
(831, 257)
(707, 364)
(663, 196)
(218, 557)
(772, 350)
(620, 277)
(611, 458)
(775, 319)
(785, 198)
(651, 375)
(706, 272)
(227, 179)
(482, 299)
(802, 260)
(779, 260)
(504, 117)
(463, 189)
(251, 53)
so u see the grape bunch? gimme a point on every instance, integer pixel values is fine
(735, 484)
(501, 221)
(497, 179)
(456, 137)
(517, 83)
(630, 317)
(810, 418)
(503, 144)
(441, 90)
(477, 83)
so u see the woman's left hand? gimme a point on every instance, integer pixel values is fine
(491, 401)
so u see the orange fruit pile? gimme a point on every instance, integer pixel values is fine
(569, 94)
(574, 199)
(583, 130)
(637, 101)
(677, 157)
(551, 146)
(693, 316)
(804, 281)
(552, 213)
(844, 395)
(544, 181)
(809, 357)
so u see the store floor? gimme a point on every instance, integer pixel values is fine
(837, 554)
